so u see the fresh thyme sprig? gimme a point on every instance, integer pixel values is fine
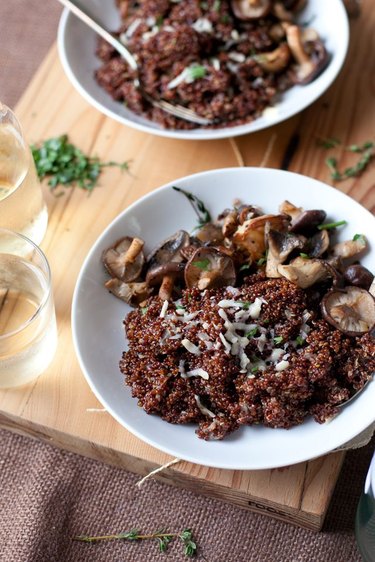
(199, 207)
(365, 150)
(67, 165)
(162, 537)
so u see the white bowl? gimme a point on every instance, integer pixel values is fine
(77, 45)
(98, 331)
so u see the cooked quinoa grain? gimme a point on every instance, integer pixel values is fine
(257, 354)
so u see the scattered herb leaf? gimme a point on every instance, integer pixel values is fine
(252, 332)
(359, 237)
(331, 225)
(332, 165)
(143, 310)
(255, 369)
(199, 207)
(67, 165)
(262, 260)
(278, 339)
(245, 267)
(300, 340)
(304, 256)
(163, 539)
(202, 264)
(196, 71)
(327, 143)
(216, 5)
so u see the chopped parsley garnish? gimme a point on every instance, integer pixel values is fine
(262, 260)
(365, 150)
(360, 237)
(216, 6)
(202, 264)
(300, 340)
(245, 267)
(180, 307)
(143, 310)
(278, 339)
(304, 256)
(252, 333)
(255, 369)
(67, 165)
(196, 71)
(199, 207)
(331, 225)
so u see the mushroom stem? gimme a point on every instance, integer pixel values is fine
(134, 249)
(166, 287)
(294, 38)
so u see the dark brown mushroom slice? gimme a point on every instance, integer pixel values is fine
(250, 9)
(125, 259)
(280, 246)
(165, 254)
(359, 276)
(230, 223)
(334, 273)
(210, 233)
(307, 221)
(319, 244)
(311, 56)
(165, 275)
(350, 310)
(295, 5)
(274, 61)
(131, 293)
(280, 11)
(209, 268)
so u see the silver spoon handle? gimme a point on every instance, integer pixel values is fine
(91, 22)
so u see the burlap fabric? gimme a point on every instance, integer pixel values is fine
(48, 496)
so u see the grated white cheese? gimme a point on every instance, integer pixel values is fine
(226, 344)
(124, 37)
(282, 365)
(196, 373)
(277, 352)
(202, 408)
(202, 25)
(190, 347)
(164, 309)
(256, 307)
(235, 35)
(230, 303)
(237, 57)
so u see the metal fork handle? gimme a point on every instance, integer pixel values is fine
(95, 25)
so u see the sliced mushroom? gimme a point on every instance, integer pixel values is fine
(168, 252)
(165, 275)
(250, 9)
(209, 268)
(210, 233)
(280, 246)
(307, 221)
(250, 236)
(304, 272)
(350, 248)
(359, 276)
(132, 293)
(287, 208)
(281, 12)
(351, 311)
(311, 57)
(230, 223)
(319, 244)
(125, 259)
(274, 61)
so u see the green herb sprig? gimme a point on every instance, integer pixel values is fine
(199, 207)
(67, 165)
(365, 151)
(162, 537)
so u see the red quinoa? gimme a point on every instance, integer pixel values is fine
(257, 354)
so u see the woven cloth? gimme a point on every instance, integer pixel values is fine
(49, 496)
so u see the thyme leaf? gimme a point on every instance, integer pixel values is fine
(65, 164)
(328, 142)
(199, 207)
(366, 154)
(162, 537)
(202, 264)
(330, 225)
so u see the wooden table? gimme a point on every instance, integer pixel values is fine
(58, 407)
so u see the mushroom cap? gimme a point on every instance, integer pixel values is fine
(210, 233)
(209, 268)
(319, 244)
(156, 274)
(274, 61)
(307, 221)
(169, 250)
(131, 293)
(304, 272)
(350, 248)
(250, 236)
(359, 276)
(310, 56)
(116, 263)
(280, 246)
(250, 9)
(350, 310)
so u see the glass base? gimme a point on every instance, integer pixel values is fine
(365, 527)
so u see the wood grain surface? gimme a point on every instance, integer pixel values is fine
(58, 407)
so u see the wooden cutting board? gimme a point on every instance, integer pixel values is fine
(59, 407)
